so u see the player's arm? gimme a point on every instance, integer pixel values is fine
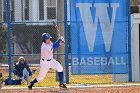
(59, 42)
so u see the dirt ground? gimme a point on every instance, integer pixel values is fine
(108, 89)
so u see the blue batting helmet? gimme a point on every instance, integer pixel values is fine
(46, 36)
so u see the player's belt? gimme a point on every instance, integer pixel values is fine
(47, 59)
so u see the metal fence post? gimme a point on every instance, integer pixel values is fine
(66, 42)
(9, 42)
(129, 42)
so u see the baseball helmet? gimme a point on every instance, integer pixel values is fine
(46, 36)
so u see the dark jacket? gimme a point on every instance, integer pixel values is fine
(18, 69)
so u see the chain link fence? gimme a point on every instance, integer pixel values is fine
(29, 19)
(79, 27)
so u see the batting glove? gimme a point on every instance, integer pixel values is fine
(62, 39)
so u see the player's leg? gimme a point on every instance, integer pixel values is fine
(44, 68)
(58, 67)
(25, 74)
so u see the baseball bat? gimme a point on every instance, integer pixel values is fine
(56, 27)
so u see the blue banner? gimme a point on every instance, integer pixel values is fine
(99, 36)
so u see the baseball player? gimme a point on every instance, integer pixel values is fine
(47, 61)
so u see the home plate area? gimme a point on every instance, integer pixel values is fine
(81, 88)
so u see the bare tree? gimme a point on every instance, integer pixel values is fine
(3, 38)
(135, 2)
(135, 6)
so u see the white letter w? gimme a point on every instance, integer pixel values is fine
(102, 16)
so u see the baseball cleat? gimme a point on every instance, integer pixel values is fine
(32, 83)
(62, 86)
(30, 86)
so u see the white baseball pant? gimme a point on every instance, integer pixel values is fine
(46, 65)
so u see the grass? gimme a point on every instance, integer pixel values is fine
(50, 79)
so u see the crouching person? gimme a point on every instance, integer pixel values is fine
(22, 70)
